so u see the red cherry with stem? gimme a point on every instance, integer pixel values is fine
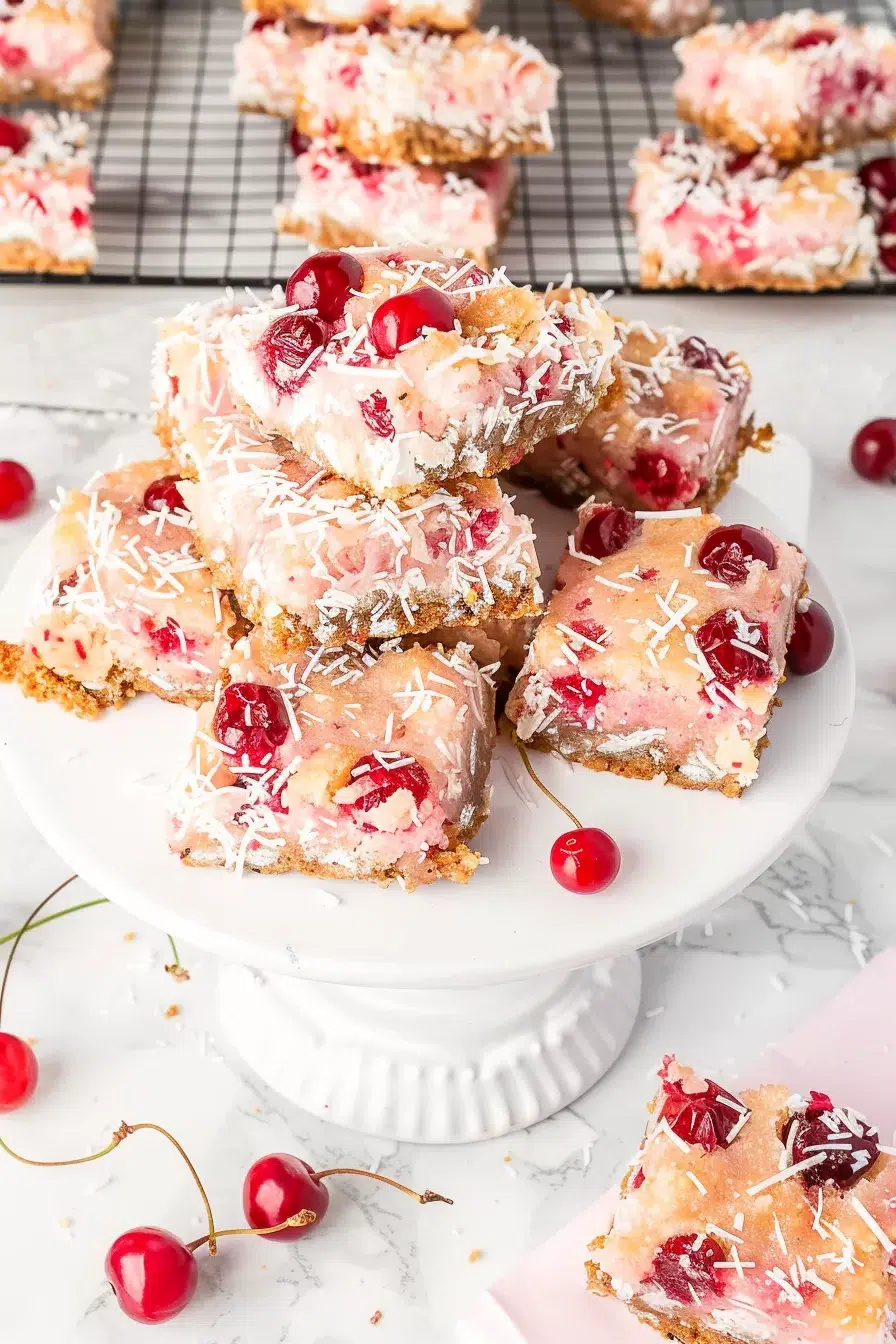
(164, 494)
(252, 721)
(812, 642)
(585, 860)
(887, 232)
(288, 350)
(152, 1273)
(17, 490)
(279, 1186)
(18, 1071)
(607, 531)
(878, 177)
(13, 135)
(738, 663)
(684, 1267)
(873, 451)
(323, 284)
(727, 552)
(403, 318)
(813, 37)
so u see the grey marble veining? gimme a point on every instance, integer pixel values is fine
(717, 994)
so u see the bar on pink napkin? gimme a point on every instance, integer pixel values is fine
(839, 1048)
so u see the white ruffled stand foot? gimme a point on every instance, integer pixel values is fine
(433, 1066)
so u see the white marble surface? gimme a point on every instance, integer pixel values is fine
(96, 1002)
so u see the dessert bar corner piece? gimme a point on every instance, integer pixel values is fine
(763, 1216)
(651, 18)
(341, 202)
(712, 217)
(130, 607)
(267, 59)
(313, 560)
(800, 84)
(669, 433)
(345, 762)
(405, 95)
(402, 369)
(57, 50)
(441, 15)
(662, 648)
(46, 195)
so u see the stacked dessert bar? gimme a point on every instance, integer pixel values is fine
(336, 448)
(405, 118)
(751, 205)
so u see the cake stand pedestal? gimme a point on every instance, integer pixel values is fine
(450, 1013)
(433, 1066)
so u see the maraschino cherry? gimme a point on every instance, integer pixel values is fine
(251, 720)
(18, 1071)
(842, 1145)
(878, 177)
(164, 494)
(873, 451)
(403, 318)
(607, 531)
(812, 642)
(17, 489)
(734, 659)
(287, 350)
(278, 1186)
(152, 1273)
(887, 235)
(727, 552)
(13, 135)
(585, 860)
(323, 284)
(685, 1268)
(813, 37)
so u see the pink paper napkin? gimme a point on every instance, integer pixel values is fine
(846, 1048)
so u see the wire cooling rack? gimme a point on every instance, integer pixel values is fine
(186, 185)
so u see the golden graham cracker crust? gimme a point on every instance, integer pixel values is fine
(677, 1327)
(716, 278)
(427, 14)
(82, 99)
(788, 143)
(27, 257)
(637, 19)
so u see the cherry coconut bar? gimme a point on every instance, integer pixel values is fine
(448, 16)
(800, 85)
(341, 202)
(764, 1216)
(311, 559)
(340, 763)
(403, 369)
(650, 18)
(58, 50)
(409, 96)
(714, 218)
(670, 432)
(266, 63)
(662, 648)
(46, 195)
(131, 607)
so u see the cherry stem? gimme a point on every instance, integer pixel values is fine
(123, 1131)
(428, 1196)
(544, 788)
(48, 919)
(303, 1219)
(24, 929)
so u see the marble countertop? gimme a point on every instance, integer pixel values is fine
(93, 992)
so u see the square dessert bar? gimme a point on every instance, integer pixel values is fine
(715, 218)
(58, 50)
(447, 16)
(267, 58)
(662, 648)
(46, 195)
(312, 560)
(131, 607)
(764, 1216)
(403, 368)
(341, 202)
(650, 18)
(406, 95)
(669, 433)
(800, 85)
(342, 763)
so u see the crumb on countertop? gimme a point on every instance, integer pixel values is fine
(172, 1010)
(474, 1256)
(376, 1318)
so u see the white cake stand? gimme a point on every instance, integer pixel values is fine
(454, 1013)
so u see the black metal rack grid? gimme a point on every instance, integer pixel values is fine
(186, 185)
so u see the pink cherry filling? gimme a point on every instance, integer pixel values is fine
(684, 1267)
(482, 527)
(169, 639)
(379, 782)
(659, 479)
(579, 695)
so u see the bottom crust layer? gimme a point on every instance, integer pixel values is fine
(677, 1327)
(38, 682)
(730, 277)
(81, 99)
(23, 257)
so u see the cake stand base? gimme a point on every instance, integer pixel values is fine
(433, 1066)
